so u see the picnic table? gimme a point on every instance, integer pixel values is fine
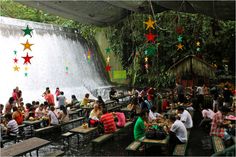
(83, 131)
(75, 112)
(24, 147)
(122, 96)
(35, 122)
(127, 112)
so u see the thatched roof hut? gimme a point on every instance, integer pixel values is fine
(192, 65)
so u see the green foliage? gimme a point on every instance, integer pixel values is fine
(12, 9)
(127, 39)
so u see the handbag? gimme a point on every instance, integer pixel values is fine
(156, 133)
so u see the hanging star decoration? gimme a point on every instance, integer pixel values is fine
(108, 59)
(108, 50)
(27, 59)
(179, 30)
(180, 39)
(108, 68)
(27, 45)
(27, 31)
(180, 46)
(198, 43)
(198, 49)
(15, 60)
(150, 37)
(150, 51)
(16, 68)
(150, 23)
(146, 66)
(146, 59)
(89, 55)
(26, 68)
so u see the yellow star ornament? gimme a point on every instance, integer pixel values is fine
(150, 23)
(16, 68)
(26, 68)
(180, 46)
(146, 59)
(198, 43)
(108, 59)
(27, 45)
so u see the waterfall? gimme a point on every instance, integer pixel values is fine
(56, 50)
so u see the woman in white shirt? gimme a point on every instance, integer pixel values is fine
(53, 120)
(63, 115)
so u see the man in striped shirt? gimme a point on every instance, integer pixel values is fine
(108, 122)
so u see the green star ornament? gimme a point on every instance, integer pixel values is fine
(27, 31)
(180, 39)
(108, 50)
(150, 51)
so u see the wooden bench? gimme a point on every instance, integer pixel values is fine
(114, 108)
(45, 129)
(133, 147)
(105, 137)
(218, 144)
(56, 153)
(66, 136)
(180, 149)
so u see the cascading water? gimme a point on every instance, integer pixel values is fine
(56, 50)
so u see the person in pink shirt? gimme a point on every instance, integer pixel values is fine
(49, 98)
(207, 115)
(121, 119)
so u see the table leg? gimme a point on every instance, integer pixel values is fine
(78, 139)
(37, 152)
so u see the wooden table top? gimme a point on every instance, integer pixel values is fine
(81, 130)
(24, 147)
(163, 142)
(125, 109)
(28, 122)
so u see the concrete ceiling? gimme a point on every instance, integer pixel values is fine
(104, 13)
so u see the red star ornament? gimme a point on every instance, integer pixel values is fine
(150, 37)
(108, 68)
(15, 60)
(179, 30)
(27, 59)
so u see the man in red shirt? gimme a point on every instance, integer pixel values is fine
(49, 98)
(108, 122)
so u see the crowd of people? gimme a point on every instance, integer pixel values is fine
(153, 108)
(146, 106)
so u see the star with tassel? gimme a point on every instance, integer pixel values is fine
(27, 31)
(108, 68)
(150, 37)
(27, 59)
(180, 46)
(108, 50)
(198, 43)
(108, 59)
(27, 45)
(26, 68)
(150, 23)
(180, 39)
(146, 59)
(15, 60)
(16, 68)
